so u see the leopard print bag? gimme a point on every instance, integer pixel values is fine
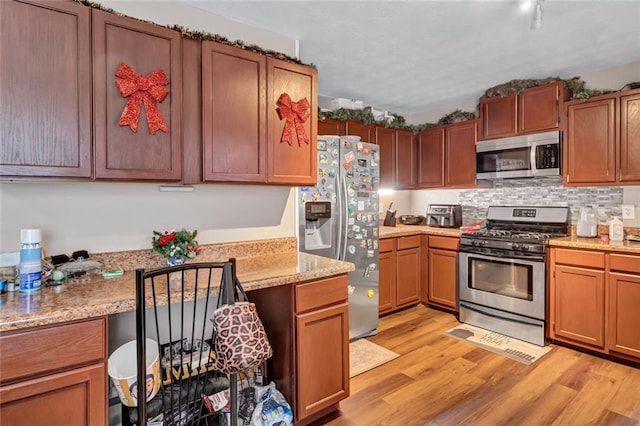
(240, 341)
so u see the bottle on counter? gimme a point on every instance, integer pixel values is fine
(587, 223)
(30, 260)
(616, 229)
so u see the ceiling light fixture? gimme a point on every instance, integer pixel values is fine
(536, 16)
(525, 5)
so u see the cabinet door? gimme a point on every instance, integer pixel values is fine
(406, 160)
(386, 139)
(624, 314)
(460, 154)
(121, 153)
(408, 276)
(443, 267)
(358, 128)
(233, 114)
(590, 146)
(329, 126)
(630, 138)
(73, 398)
(498, 115)
(431, 158)
(577, 299)
(295, 163)
(386, 281)
(323, 359)
(45, 100)
(538, 108)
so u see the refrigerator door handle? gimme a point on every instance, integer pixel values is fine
(337, 236)
(345, 215)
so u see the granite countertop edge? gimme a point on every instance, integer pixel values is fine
(405, 230)
(631, 247)
(79, 301)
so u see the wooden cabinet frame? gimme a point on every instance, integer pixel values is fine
(593, 301)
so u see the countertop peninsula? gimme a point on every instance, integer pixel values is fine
(259, 264)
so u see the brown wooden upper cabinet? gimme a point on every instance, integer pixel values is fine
(291, 163)
(447, 156)
(406, 160)
(242, 130)
(234, 124)
(431, 157)
(386, 139)
(46, 90)
(330, 126)
(358, 128)
(533, 110)
(602, 146)
(148, 153)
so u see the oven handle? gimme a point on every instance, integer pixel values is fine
(491, 314)
(504, 255)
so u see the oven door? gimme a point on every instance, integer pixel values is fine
(508, 284)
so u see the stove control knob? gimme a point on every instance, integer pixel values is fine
(515, 246)
(524, 247)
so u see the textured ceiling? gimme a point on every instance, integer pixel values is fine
(413, 56)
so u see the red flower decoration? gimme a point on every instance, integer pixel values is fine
(167, 238)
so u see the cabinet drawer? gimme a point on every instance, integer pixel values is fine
(586, 258)
(39, 351)
(387, 244)
(446, 243)
(320, 293)
(624, 263)
(412, 241)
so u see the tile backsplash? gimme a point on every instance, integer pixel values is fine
(607, 200)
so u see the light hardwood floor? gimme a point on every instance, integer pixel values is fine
(439, 380)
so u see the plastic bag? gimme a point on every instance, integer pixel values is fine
(272, 408)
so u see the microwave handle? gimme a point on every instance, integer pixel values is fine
(532, 158)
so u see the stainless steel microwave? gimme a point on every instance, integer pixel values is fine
(538, 154)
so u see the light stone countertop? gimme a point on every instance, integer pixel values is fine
(74, 301)
(402, 230)
(595, 244)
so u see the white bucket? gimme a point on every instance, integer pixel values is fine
(123, 371)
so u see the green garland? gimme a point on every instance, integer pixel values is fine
(202, 35)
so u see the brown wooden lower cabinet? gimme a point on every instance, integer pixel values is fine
(400, 262)
(443, 272)
(593, 301)
(624, 305)
(308, 328)
(579, 309)
(54, 375)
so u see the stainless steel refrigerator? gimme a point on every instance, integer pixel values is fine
(338, 218)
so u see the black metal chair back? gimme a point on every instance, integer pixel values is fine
(180, 300)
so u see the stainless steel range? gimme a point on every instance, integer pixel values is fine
(502, 271)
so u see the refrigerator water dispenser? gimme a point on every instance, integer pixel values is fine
(317, 226)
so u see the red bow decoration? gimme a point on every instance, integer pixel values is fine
(142, 89)
(296, 113)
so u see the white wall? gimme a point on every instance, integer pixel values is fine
(105, 217)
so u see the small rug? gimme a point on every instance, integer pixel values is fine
(365, 355)
(526, 353)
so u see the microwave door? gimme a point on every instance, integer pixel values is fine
(504, 163)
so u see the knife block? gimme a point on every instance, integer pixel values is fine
(390, 218)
